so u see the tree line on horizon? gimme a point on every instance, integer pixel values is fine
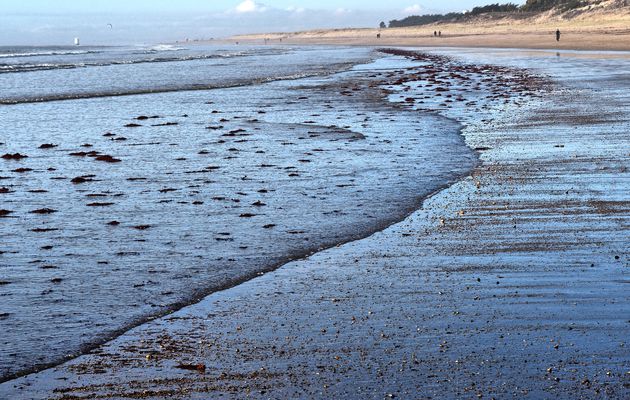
(529, 6)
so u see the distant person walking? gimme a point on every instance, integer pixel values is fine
(557, 35)
(440, 33)
(435, 33)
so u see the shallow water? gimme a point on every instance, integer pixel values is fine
(34, 74)
(223, 184)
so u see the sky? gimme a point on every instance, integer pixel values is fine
(40, 22)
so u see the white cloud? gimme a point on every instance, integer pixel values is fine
(342, 11)
(250, 6)
(296, 10)
(414, 9)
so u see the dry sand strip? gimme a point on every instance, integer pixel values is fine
(510, 283)
(543, 39)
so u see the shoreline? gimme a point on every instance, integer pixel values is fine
(236, 324)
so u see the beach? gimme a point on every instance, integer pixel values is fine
(503, 272)
(597, 29)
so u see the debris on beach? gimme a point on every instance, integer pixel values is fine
(107, 158)
(14, 156)
(44, 211)
(85, 154)
(192, 367)
(99, 204)
(43, 230)
(81, 179)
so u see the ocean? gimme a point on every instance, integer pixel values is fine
(137, 180)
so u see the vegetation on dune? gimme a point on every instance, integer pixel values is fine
(507, 7)
(563, 5)
(454, 16)
(414, 20)
(529, 6)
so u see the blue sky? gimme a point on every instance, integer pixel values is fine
(151, 21)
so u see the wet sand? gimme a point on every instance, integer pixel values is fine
(510, 283)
